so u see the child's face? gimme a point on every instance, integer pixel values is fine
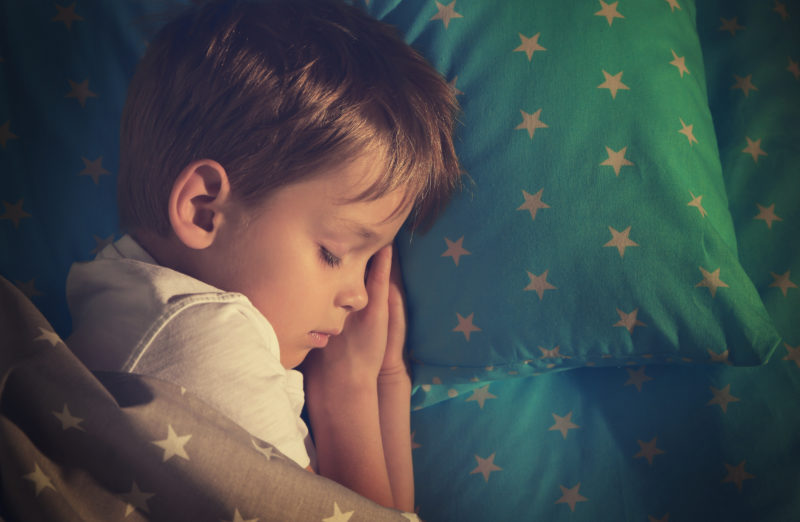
(302, 261)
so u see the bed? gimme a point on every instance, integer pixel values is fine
(604, 324)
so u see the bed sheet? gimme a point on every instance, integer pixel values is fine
(658, 443)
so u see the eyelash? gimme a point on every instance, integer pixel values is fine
(328, 258)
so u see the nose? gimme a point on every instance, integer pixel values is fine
(353, 296)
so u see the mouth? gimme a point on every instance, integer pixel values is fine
(319, 339)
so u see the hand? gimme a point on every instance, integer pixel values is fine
(359, 352)
(394, 360)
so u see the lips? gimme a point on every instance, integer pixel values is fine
(319, 339)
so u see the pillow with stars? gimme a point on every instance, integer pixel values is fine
(593, 225)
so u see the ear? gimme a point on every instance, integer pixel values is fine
(197, 201)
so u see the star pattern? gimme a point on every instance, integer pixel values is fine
(529, 45)
(731, 25)
(767, 214)
(66, 15)
(613, 83)
(673, 4)
(481, 395)
(554, 353)
(754, 148)
(780, 8)
(782, 281)
(14, 212)
(93, 169)
(563, 424)
(485, 467)
(80, 91)
(609, 11)
(722, 397)
(721, 357)
(68, 420)
(637, 378)
(39, 479)
(794, 68)
(616, 159)
(697, 202)
(237, 517)
(737, 475)
(446, 13)
(744, 84)
(173, 445)
(338, 516)
(455, 249)
(533, 203)
(629, 321)
(711, 281)
(28, 288)
(648, 450)
(679, 62)
(531, 122)
(571, 496)
(136, 499)
(688, 131)
(539, 284)
(48, 336)
(620, 240)
(466, 326)
(793, 354)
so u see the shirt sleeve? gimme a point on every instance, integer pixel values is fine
(229, 358)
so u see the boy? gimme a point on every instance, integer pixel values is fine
(270, 151)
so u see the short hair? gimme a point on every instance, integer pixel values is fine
(275, 90)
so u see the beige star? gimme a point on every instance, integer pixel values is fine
(39, 479)
(613, 83)
(711, 281)
(533, 203)
(446, 13)
(563, 424)
(673, 4)
(620, 240)
(6, 134)
(465, 325)
(616, 159)
(414, 444)
(637, 378)
(455, 249)
(629, 320)
(80, 91)
(782, 281)
(680, 63)
(481, 395)
(136, 499)
(93, 169)
(688, 131)
(731, 26)
(68, 420)
(529, 45)
(722, 397)
(555, 353)
(531, 122)
(767, 214)
(697, 201)
(609, 11)
(14, 212)
(571, 496)
(745, 84)
(48, 336)
(485, 467)
(173, 445)
(539, 284)
(719, 357)
(754, 148)
(452, 85)
(794, 68)
(338, 516)
(268, 451)
(28, 288)
(793, 355)
(66, 15)
(648, 450)
(780, 8)
(737, 475)
(237, 517)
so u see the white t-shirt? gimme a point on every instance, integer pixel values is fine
(131, 314)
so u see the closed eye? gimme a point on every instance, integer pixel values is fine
(328, 258)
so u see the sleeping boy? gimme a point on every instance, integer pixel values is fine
(270, 152)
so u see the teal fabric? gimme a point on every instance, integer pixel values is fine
(593, 228)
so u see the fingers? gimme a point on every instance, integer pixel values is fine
(378, 277)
